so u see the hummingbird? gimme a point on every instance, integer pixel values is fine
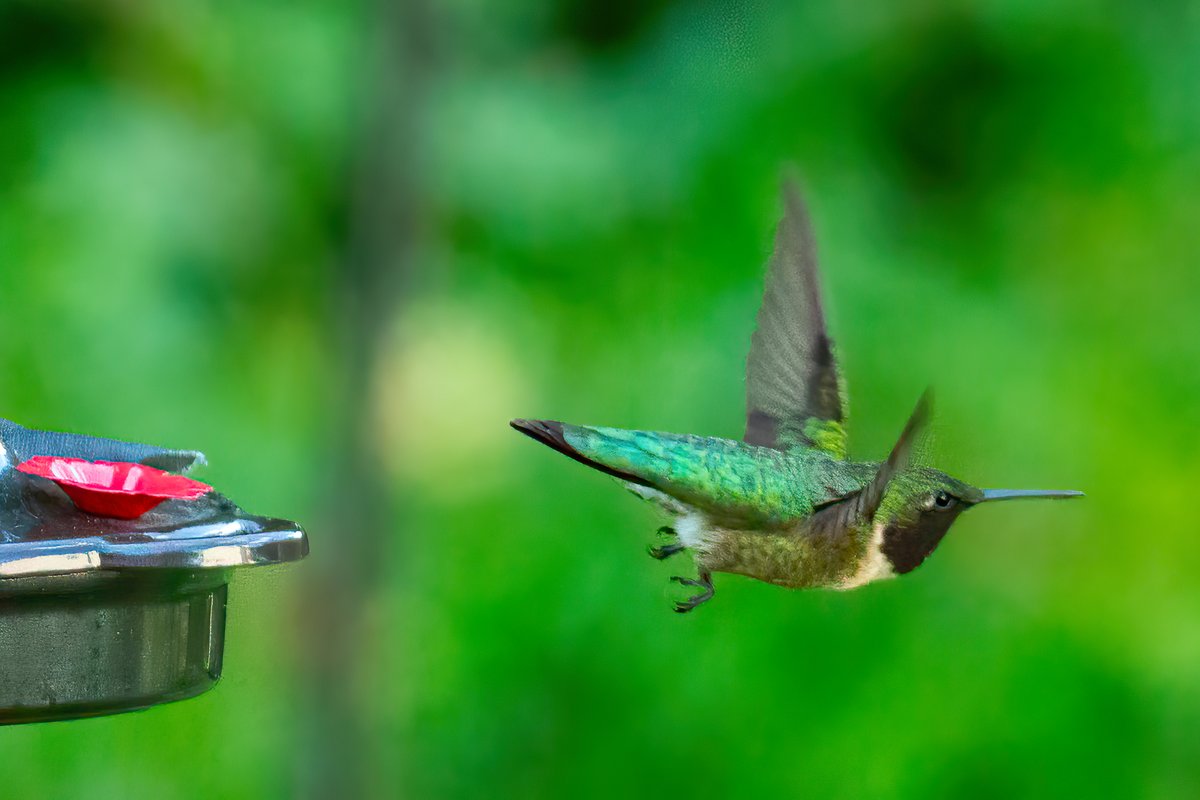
(786, 504)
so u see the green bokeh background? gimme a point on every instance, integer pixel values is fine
(1005, 195)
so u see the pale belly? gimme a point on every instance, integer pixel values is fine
(785, 558)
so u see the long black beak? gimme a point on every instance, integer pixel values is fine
(1016, 494)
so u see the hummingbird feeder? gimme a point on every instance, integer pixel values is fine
(114, 572)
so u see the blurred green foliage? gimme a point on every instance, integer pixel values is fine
(1005, 198)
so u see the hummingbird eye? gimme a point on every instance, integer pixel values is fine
(942, 500)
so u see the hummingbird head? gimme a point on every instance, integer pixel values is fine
(922, 503)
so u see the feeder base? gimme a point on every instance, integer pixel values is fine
(105, 642)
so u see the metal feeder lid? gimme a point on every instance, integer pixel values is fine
(99, 615)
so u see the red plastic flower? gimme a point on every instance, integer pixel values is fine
(114, 488)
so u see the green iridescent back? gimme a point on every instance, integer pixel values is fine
(736, 483)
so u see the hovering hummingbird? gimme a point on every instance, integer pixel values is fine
(785, 505)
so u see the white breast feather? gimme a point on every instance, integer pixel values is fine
(875, 565)
(690, 528)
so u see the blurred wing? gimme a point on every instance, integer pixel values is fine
(861, 507)
(793, 389)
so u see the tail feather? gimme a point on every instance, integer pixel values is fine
(550, 433)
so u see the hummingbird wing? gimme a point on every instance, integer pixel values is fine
(793, 387)
(860, 507)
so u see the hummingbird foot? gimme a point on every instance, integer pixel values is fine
(666, 530)
(666, 551)
(705, 583)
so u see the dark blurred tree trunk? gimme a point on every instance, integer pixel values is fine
(361, 523)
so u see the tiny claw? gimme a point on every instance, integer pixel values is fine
(665, 552)
(705, 583)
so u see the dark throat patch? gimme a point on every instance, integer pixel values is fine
(906, 545)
